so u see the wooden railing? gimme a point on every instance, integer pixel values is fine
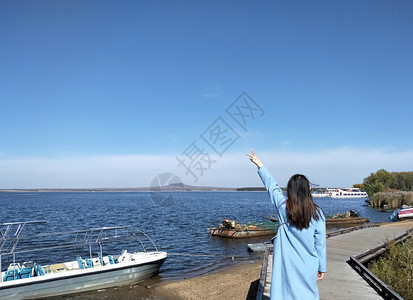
(359, 262)
(349, 229)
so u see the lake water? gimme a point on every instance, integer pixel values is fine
(178, 227)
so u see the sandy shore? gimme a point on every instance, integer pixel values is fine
(238, 282)
(403, 224)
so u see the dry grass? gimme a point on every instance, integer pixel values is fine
(395, 268)
(393, 199)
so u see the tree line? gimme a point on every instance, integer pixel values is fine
(383, 181)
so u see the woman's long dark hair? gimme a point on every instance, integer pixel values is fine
(300, 205)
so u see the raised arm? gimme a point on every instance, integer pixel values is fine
(275, 192)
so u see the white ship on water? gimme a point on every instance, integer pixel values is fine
(341, 193)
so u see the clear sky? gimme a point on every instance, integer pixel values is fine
(112, 93)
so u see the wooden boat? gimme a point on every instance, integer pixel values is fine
(31, 280)
(232, 229)
(345, 222)
(350, 218)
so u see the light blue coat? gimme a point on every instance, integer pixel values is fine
(298, 254)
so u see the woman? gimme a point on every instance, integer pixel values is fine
(300, 245)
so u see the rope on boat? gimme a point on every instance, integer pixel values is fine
(209, 255)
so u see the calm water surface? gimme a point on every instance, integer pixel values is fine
(178, 228)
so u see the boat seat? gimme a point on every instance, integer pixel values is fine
(11, 275)
(102, 262)
(80, 262)
(27, 269)
(14, 266)
(113, 260)
(39, 270)
(26, 272)
(89, 263)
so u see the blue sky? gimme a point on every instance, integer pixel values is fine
(111, 93)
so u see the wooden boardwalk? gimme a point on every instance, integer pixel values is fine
(341, 281)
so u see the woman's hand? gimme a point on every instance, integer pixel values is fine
(255, 159)
(320, 275)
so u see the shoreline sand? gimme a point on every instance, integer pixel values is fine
(236, 282)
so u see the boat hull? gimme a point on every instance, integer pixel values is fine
(82, 280)
(259, 247)
(332, 222)
(233, 233)
(345, 196)
(347, 221)
(347, 193)
(406, 213)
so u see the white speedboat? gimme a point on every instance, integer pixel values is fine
(405, 213)
(347, 193)
(31, 280)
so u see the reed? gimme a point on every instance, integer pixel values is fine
(395, 268)
(393, 199)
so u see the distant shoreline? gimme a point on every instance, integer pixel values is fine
(145, 189)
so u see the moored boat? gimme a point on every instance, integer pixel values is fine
(233, 229)
(405, 213)
(259, 247)
(31, 280)
(345, 222)
(347, 193)
(349, 218)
